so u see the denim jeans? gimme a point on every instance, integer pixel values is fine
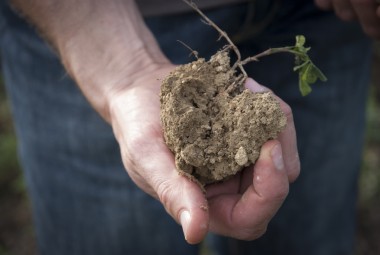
(85, 203)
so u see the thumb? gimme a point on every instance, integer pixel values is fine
(184, 200)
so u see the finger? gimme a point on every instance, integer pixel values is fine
(254, 86)
(324, 4)
(151, 165)
(185, 202)
(183, 199)
(344, 10)
(288, 140)
(287, 137)
(366, 12)
(246, 216)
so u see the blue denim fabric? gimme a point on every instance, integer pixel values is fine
(85, 203)
(318, 216)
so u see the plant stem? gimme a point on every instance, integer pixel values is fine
(222, 34)
(271, 51)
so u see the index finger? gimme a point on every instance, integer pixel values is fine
(287, 137)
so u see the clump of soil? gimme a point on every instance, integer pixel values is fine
(212, 124)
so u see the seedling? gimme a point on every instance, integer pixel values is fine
(212, 124)
(308, 72)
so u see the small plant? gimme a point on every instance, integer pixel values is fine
(308, 72)
(212, 124)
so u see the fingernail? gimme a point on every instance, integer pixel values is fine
(185, 221)
(277, 159)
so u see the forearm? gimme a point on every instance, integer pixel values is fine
(104, 45)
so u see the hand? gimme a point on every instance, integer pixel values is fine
(239, 208)
(367, 12)
(243, 206)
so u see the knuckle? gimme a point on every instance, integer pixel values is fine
(293, 166)
(260, 231)
(288, 112)
(165, 194)
(276, 196)
(282, 193)
(295, 169)
(252, 233)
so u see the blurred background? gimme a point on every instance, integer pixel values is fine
(16, 229)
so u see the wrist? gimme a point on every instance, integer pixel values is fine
(110, 50)
(104, 45)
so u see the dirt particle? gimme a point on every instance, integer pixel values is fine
(241, 157)
(204, 208)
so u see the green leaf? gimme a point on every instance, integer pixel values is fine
(300, 46)
(304, 87)
(308, 72)
(300, 41)
(319, 73)
(305, 78)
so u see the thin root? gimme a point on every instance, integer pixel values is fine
(222, 34)
(193, 52)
